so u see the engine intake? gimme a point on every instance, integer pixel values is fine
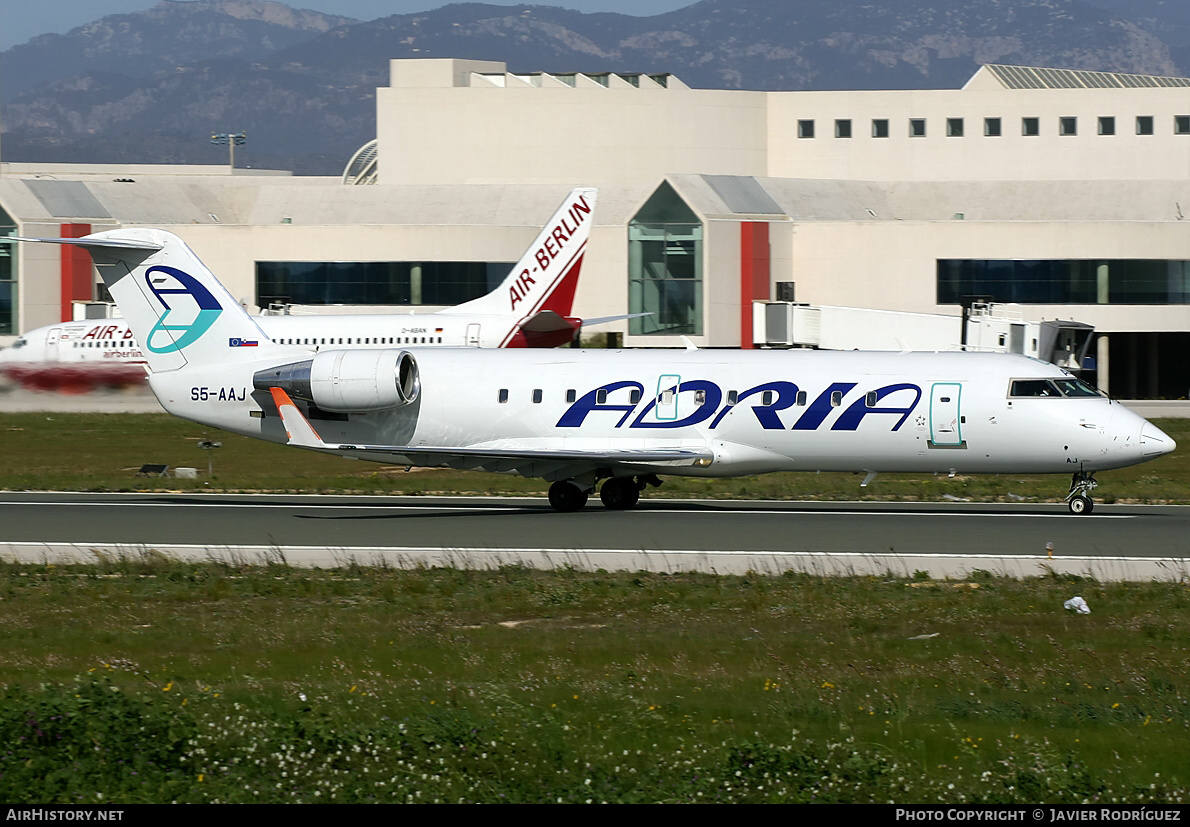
(348, 381)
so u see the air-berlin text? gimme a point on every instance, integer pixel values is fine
(552, 243)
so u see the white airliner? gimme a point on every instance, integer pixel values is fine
(531, 308)
(621, 418)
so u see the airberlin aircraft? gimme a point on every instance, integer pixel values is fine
(612, 420)
(531, 308)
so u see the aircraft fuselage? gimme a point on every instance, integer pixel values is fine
(755, 412)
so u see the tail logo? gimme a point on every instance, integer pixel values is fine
(189, 309)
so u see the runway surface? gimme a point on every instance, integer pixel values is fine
(951, 539)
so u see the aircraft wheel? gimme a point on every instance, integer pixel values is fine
(619, 493)
(1081, 505)
(565, 496)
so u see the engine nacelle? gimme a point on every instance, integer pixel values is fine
(348, 381)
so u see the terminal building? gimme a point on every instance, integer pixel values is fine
(1065, 193)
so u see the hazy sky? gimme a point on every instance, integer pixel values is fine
(22, 19)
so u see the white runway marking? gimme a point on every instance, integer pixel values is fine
(1058, 512)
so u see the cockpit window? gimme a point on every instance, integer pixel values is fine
(1074, 388)
(1033, 387)
(19, 343)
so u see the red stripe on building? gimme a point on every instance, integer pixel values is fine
(755, 274)
(77, 281)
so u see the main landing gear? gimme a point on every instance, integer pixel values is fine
(1078, 500)
(617, 493)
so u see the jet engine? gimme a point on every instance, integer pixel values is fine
(348, 381)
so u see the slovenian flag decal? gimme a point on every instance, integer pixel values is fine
(242, 343)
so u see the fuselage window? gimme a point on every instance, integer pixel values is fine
(634, 396)
(700, 398)
(571, 395)
(767, 398)
(601, 397)
(836, 398)
(732, 397)
(537, 396)
(503, 395)
(870, 399)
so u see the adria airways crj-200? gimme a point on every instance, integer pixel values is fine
(612, 420)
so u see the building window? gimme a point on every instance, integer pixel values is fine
(1067, 126)
(843, 128)
(1144, 124)
(991, 127)
(665, 267)
(8, 276)
(1107, 125)
(917, 127)
(805, 129)
(954, 127)
(880, 128)
(1181, 124)
(376, 282)
(1030, 127)
(1066, 281)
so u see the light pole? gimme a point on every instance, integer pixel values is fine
(231, 140)
(209, 446)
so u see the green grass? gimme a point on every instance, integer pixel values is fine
(144, 680)
(102, 452)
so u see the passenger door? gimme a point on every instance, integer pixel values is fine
(946, 418)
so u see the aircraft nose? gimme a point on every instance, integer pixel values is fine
(1154, 442)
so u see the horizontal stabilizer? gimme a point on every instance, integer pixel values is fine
(96, 243)
(606, 319)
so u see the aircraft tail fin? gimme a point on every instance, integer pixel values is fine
(177, 309)
(547, 274)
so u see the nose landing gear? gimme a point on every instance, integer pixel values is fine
(1078, 499)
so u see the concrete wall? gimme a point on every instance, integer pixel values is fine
(974, 156)
(476, 132)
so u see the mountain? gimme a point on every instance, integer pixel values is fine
(169, 34)
(152, 86)
(765, 44)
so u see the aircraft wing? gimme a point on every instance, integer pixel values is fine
(556, 464)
